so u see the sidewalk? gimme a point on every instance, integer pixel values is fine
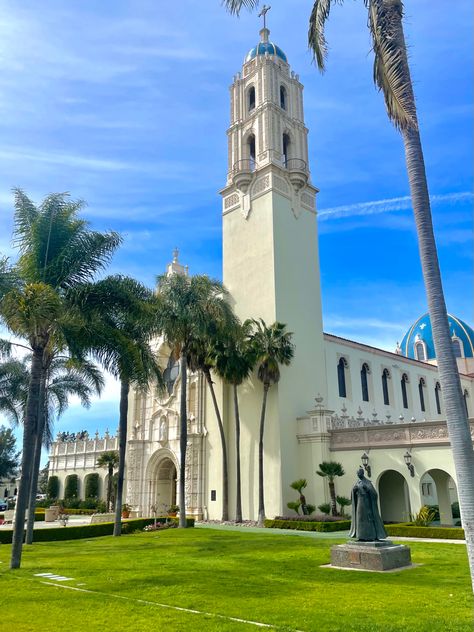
(74, 521)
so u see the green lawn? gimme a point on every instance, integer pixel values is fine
(272, 579)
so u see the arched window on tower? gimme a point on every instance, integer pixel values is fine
(385, 379)
(420, 351)
(341, 377)
(457, 348)
(251, 152)
(421, 392)
(364, 383)
(438, 397)
(283, 98)
(403, 384)
(466, 397)
(286, 149)
(251, 98)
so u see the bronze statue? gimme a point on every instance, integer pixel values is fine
(366, 524)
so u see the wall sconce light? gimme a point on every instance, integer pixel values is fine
(410, 466)
(365, 462)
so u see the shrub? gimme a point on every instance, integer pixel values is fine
(52, 489)
(92, 486)
(71, 488)
(455, 510)
(407, 529)
(86, 531)
(317, 518)
(71, 503)
(295, 505)
(424, 517)
(435, 509)
(307, 525)
(325, 508)
(101, 507)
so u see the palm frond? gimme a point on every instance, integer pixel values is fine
(25, 215)
(235, 6)
(316, 38)
(391, 70)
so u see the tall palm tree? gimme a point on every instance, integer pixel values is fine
(58, 253)
(392, 77)
(234, 360)
(109, 460)
(330, 470)
(186, 307)
(120, 314)
(272, 346)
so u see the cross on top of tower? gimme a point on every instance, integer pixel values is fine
(263, 13)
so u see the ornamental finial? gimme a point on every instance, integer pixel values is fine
(263, 14)
(175, 255)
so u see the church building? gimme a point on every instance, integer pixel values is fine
(339, 400)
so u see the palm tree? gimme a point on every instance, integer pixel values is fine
(234, 360)
(329, 470)
(187, 308)
(120, 314)
(109, 460)
(65, 378)
(58, 253)
(392, 77)
(272, 346)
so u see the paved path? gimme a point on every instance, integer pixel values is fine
(74, 521)
(334, 535)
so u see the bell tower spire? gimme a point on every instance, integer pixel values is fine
(270, 248)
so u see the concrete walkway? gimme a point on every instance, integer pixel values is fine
(74, 521)
(333, 535)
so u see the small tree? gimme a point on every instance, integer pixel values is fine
(329, 470)
(8, 454)
(109, 460)
(52, 488)
(92, 486)
(71, 488)
(343, 502)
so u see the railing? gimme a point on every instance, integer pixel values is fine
(295, 164)
(246, 165)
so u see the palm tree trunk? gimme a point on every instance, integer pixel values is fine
(261, 498)
(109, 487)
(238, 500)
(456, 417)
(183, 440)
(332, 494)
(31, 417)
(124, 391)
(35, 468)
(225, 472)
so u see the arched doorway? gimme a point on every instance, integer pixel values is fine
(162, 486)
(438, 488)
(394, 497)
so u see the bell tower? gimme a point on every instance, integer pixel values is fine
(270, 252)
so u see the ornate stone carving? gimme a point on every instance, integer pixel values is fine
(280, 185)
(261, 185)
(308, 200)
(231, 200)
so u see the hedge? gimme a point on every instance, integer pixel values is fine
(87, 531)
(409, 530)
(340, 525)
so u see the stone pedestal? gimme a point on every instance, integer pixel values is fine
(381, 555)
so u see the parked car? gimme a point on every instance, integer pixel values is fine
(3, 505)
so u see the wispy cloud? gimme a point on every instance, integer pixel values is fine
(389, 205)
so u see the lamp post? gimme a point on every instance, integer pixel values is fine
(410, 466)
(365, 462)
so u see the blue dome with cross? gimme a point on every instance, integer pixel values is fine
(265, 47)
(418, 341)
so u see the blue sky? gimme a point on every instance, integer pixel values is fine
(125, 104)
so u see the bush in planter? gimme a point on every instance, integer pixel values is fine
(52, 488)
(71, 487)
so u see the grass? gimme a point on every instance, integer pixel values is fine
(273, 579)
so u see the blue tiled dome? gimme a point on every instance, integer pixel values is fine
(420, 331)
(265, 47)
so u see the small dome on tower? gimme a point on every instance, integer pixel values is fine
(264, 47)
(418, 341)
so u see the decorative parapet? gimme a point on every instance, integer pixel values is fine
(82, 443)
(429, 433)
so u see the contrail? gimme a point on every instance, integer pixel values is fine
(388, 205)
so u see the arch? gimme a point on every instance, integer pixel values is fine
(385, 378)
(403, 384)
(251, 100)
(420, 351)
(341, 376)
(458, 347)
(421, 393)
(250, 150)
(394, 497)
(439, 488)
(161, 481)
(283, 98)
(286, 144)
(364, 382)
(438, 397)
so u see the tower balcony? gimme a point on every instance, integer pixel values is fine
(298, 172)
(242, 173)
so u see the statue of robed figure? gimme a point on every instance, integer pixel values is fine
(366, 524)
